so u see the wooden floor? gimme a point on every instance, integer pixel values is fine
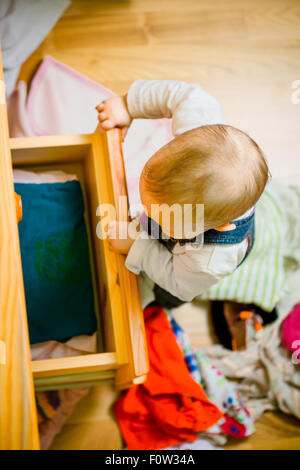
(244, 52)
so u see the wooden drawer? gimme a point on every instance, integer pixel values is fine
(97, 160)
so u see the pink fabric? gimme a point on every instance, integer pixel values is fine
(76, 346)
(60, 98)
(48, 428)
(290, 332)
(19, 125)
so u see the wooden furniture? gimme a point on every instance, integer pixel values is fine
(97, 160)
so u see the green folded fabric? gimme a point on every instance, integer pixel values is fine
(261, 278)
(55, 260)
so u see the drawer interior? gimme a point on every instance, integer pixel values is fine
(77, 155)
(77, 168)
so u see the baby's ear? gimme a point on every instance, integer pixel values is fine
(226, 227)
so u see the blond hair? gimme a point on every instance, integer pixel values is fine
(216, 165)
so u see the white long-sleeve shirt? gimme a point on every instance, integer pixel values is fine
(184, 273)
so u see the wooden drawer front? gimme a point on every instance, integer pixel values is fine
(18, 418)
(97, 159)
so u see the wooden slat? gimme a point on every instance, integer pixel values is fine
(88, 383)
(78, 378)
(74, 380)
(50, 141)
(18, 418)
(49, 149)
(134, 318)
(74, 365)
(99, 190)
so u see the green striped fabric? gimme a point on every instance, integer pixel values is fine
(261, 278)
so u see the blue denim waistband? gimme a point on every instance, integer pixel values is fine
(243, 228)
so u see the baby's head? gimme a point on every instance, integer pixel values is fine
(216, 165)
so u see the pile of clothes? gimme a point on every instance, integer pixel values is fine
(187, 396)
(189, 399)
(183, 395)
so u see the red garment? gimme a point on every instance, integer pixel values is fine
(170, 407)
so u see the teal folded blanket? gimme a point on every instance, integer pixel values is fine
(55, 260)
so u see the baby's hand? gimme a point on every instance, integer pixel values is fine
(113, 112)
(118, 237)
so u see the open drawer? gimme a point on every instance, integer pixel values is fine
(97, 159)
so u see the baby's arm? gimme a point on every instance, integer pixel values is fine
(187, 104)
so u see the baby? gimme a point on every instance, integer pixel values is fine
(208, 163)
